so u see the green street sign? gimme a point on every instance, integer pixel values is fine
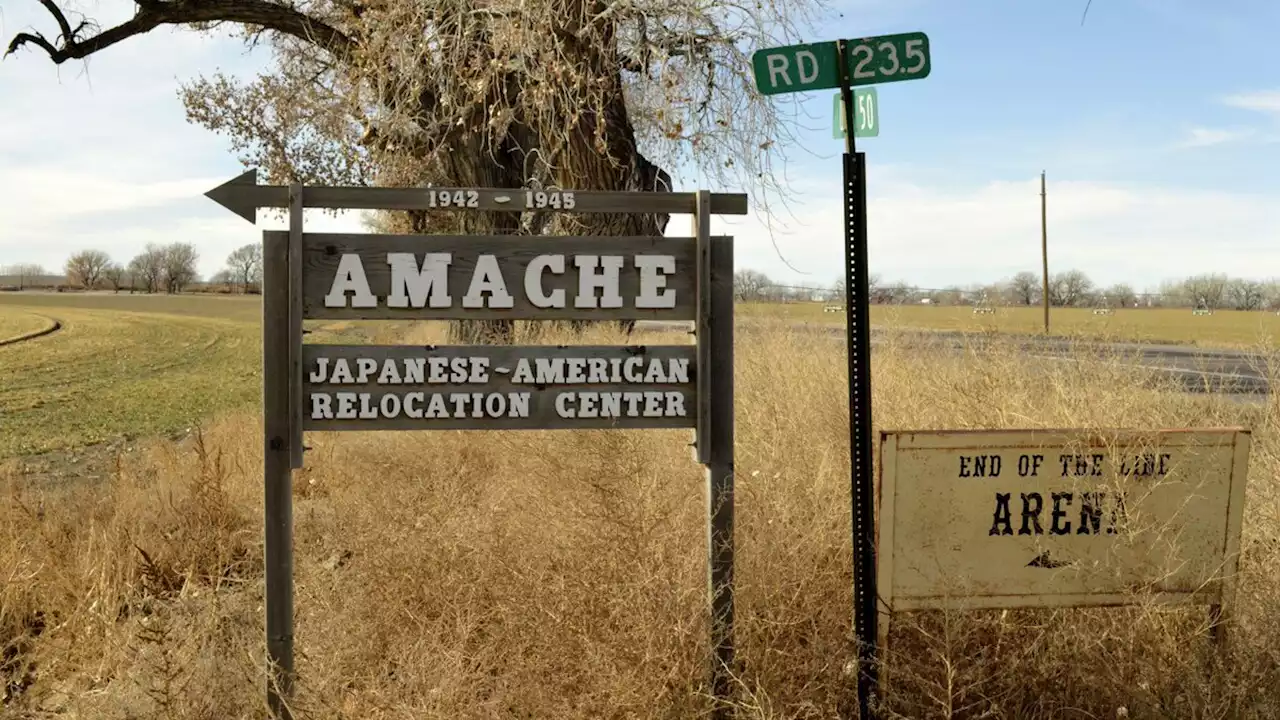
(866, 114)
(797, 68)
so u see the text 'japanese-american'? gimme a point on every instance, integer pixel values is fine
(354, 387)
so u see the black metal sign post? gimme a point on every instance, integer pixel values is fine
(858, 341)
(883, 59)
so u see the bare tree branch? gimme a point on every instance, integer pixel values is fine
(154, 13)
(60, 18)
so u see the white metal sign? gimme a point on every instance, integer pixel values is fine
(1036, 518)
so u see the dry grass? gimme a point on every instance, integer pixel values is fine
(1225, 328)
(15, 323)
(562, 575)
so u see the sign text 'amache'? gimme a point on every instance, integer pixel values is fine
(490, 277)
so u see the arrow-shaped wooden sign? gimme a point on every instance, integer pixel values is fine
(243, 196)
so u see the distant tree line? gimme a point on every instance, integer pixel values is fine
(243, 269)
(158, 268)
(21, 276)
(168, 268)
(1069, 288)
(172, 269)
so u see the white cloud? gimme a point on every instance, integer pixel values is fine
(1263, 101)
(98, 154)
(1198, 137)
(1266, 102)
(935, 235)
(108, 161)
(46, 214)
(85, 192)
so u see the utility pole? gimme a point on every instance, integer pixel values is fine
(1044, 251)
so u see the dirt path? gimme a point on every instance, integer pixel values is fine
(47, 326)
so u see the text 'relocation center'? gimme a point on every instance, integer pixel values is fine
(426, 284)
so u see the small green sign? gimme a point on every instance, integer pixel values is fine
(866, 114)
(797, 68)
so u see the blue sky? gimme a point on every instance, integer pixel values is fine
(1158, 122)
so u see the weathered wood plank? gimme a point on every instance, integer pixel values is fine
(278, 476)
(635, 386)
(720, 466)
(243, 196)
(663, 291)
(585, 201)
(295, 325)
(702, 331)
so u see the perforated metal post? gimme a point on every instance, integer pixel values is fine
(858, 338)
(858, 343)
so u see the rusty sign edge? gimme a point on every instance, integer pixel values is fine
(938, 439)
(886, 491)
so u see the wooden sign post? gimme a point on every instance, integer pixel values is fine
(446, 277)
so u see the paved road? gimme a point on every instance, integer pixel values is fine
(1200, 370)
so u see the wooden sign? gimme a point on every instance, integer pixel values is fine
(380, 387)
(243, 196)
(450, 277)
(1058, 518)
(313, 387)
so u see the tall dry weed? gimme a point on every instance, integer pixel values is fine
(563, 574)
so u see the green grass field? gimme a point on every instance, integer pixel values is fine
(108, 372)
(123, 366)
(134, 365)
(1225, 328)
